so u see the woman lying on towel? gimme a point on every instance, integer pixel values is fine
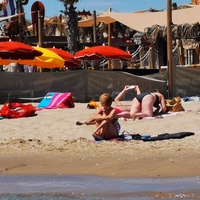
(107, 126)
(143, 105)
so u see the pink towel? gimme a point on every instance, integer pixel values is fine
(61, 100)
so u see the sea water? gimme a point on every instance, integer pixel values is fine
(97, 188)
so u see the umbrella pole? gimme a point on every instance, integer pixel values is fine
(84, 64)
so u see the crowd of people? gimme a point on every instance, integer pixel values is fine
(15, 67)
(146, 104)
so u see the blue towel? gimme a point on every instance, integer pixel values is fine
(46, 100)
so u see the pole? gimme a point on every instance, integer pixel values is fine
(61, 25)
(109, 41)
(109, 31)
(169, 50)
(94, 27)
(20, 20)
(39, 29)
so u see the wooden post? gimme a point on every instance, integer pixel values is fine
(181, 55)
(109, 40)
(20, 21)
(141, 56)
(39, 29)
(109, 34)
(169, 50)
(61, 25)
(40, 34)
(152, 58)
(94, 27)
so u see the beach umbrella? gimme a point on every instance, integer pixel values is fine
(102, 52)
(48, 59)
(5, 61)
(70, 62)
(12, 50)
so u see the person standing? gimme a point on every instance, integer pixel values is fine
(28, 68)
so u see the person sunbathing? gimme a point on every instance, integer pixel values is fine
(143, 105)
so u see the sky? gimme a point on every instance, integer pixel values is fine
(52, 7)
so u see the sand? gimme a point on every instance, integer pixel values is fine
(51, 143)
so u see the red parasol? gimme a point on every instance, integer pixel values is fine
(17, 50)
(102, 52)
(68, 57)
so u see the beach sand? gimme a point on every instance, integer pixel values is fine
(51, 143)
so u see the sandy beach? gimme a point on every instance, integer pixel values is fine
(51, 143)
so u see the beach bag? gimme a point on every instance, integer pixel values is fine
(92, 105)
(174, 105)
(16, 110)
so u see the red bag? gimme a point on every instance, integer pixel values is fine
(16, 110)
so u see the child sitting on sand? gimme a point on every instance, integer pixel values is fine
(105, 120)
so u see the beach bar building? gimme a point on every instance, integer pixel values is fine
(148, 45)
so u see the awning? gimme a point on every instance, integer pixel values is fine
(140, 21)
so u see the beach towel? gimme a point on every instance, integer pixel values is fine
(46, 100)
(16, 110)
(167, 136)
(61, 100)
(57, 100)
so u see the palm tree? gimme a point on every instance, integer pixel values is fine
(71, 24)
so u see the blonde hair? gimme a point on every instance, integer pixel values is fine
(106, 99)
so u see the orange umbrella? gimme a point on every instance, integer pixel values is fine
(5, 61)
(68, 57)
(102, 52)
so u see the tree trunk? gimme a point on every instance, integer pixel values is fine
(71, 27)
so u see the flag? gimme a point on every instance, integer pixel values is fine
(8, 10)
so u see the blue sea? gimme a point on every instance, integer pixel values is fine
(97, 188)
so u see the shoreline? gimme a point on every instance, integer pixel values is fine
(121, 163)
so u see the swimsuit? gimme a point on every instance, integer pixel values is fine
(118, 110)
(139, 97)
(157, 102)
